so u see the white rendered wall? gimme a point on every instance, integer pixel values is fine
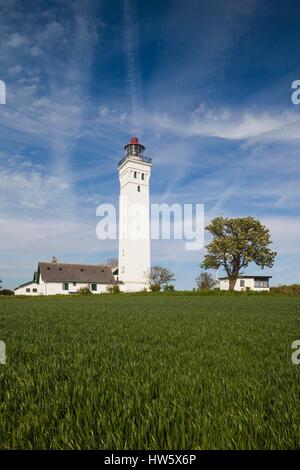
(134, 252)
(133, 287)
(55, 288)
(33, 285)
(249, 283)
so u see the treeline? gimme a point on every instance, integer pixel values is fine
(226, 293)
(6, 292)
(292, 289)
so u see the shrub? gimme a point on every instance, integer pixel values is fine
(155, 288)
(169, 288)
(115, 289)
(84, 291)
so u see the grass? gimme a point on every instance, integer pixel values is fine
(150, 372)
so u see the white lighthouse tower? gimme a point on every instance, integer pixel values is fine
(134, 217)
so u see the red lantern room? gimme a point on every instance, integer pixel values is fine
(134, 148)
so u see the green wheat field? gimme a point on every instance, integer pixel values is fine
(150, 372)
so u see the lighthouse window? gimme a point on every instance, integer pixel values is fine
(135, 174)
(139, 189)
(143, 176)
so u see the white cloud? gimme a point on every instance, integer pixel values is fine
(15, 70)
(41, 102)
(35, 51)
(16, 40)
(285, 232)
(28, 189)
(103, 110)
(130, 45)
(231, 126)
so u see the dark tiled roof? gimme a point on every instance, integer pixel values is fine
(25, 284)
(247, 277)
(61, 272)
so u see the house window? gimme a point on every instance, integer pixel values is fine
(135, 174)
(27, 289)
(242, 283)
(65, 286)
(94, 287)
(74, 283)
(259, 283)
(139, 189)
(34, 290)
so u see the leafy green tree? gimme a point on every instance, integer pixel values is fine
(159, 277)
(236, 243)
(205, 281)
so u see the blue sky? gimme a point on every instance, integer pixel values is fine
(206, 86)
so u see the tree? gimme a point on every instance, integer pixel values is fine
(112, 263)
(236, 243)
(205, 281)
(115, 289)
(158, 277)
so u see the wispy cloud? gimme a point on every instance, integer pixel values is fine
(131, 48)
(241, 125)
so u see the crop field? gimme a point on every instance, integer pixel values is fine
(150, 372)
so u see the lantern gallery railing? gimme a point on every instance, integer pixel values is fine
(134, 157)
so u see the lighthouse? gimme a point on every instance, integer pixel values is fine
(134, 217)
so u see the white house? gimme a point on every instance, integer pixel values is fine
(61, 278)
(254, 283)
